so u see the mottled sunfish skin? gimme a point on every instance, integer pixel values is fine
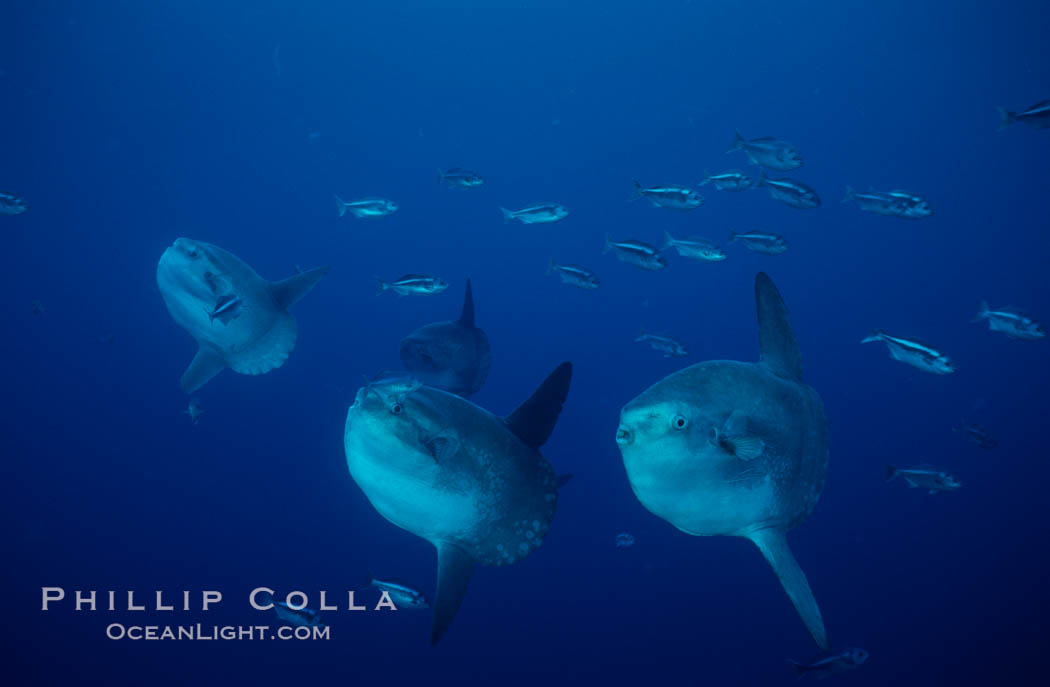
(472, 484)
(733, 448)
(192, 276)
(454, 356)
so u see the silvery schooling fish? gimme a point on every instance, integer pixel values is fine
(1036, 116)
(794, 193)
(366, 207)
(1013, 322)
(769, 152)
(577, 276)
(537, 213)
(413, 285)
(669, 196)
(637, 253)
(913, 352)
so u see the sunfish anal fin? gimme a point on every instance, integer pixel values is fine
(454, 568)
(773, 545)
(205, 365)
(467, 317)
(288, 291)
(776, 339)
(534, 420)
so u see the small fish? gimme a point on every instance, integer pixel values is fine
(194, 410)
(302, 617)
(538, 213)
(696, 248)
(227, 308)
(913, 352)
(1011, 321)
(927, 478)
(637, 253)
(413, 285)
(10, 204)
(873, 201)
(577, 276)
(664, 344)
(1037, 116)
(767, 244)
(978, 435)
(402, 595)
(460, 178)
(624, 540)
(366, 207)
(794, 193)
(728, 181)
(669, 196)
(769, 152)
(832, 665)
(909, 205)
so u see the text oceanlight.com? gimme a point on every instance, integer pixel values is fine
(200, 632)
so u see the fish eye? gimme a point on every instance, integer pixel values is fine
(679, 422)
(396, 408)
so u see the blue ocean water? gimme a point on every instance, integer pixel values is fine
(127, 125)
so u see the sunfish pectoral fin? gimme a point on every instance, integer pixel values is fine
(288, 291)
(442, 447)
(773, 545)
(205, 365)
(776, 339)
(454, 568)
(534, 420)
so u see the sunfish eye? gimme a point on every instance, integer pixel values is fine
(396, 408)
(679, 422)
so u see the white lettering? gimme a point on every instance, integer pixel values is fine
(269, 595)
(133, 607)
(298, 595)
(160, 603)
(111, 628)
(325, 606)
(385, 602)
(89, 600)
(48, 595)
(210, 597)
(352, 607)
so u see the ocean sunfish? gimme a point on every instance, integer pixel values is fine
(454, 356)
(195, 278)
(733, 448)
(472, 484)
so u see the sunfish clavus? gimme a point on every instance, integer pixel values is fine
(197, 279)
(733, 448)
(472, 484)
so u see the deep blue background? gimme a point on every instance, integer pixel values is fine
(126, 125)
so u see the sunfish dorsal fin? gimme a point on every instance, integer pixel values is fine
(534, 419)
(288, 291)
(206, 364)
(454, 568)
(776, 339)
(467, 317)
(774, 546)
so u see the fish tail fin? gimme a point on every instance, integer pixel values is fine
(849, 194)
(381, 286)
(732, 236)
(340, 205)
(608, 244)
(1006, 118)
(641, 335)
(891, 472)
(738, 142)
(441, 175)
(761, 180)
(551, 265)
(507, 215)
(876, 335)
(982, 312)
(707, 179)
(637, 190)
(799, 668)
(668, 240)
